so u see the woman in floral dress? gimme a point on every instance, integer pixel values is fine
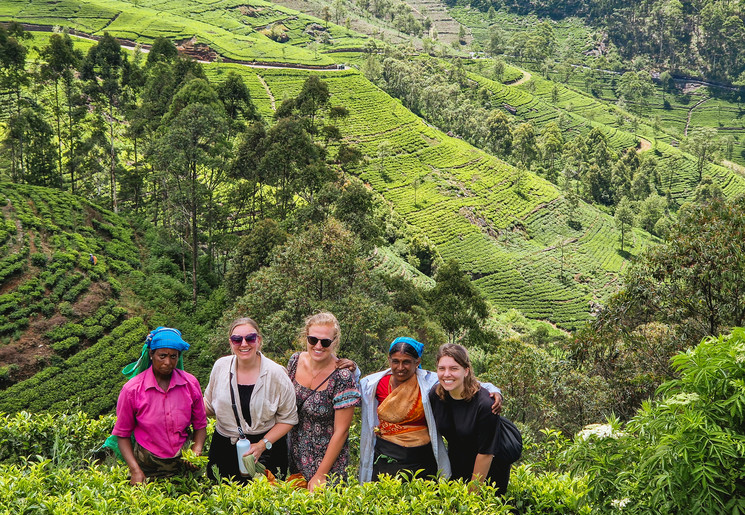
(326, 398)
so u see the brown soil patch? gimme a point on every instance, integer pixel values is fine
(31, 352)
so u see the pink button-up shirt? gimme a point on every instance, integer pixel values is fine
(160, 419)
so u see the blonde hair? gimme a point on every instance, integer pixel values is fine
(459, 353)
(321, 318)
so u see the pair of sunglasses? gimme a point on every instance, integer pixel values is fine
(237, 339)
(325, 342)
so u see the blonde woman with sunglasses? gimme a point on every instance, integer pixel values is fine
(326, 397)
(250, 397)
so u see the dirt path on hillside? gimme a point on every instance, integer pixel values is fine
(644, 145)
(268, 91)
(525, 78)
(690, 112)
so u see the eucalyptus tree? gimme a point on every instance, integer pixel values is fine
(551, 143)
(102, 69)
(190, 154)
(702, 142)
(525, 145)
(37, 161)
(237, 101)
(624, 218)
(60, 61)
(636, 88)
(455, 302)
(13, 77)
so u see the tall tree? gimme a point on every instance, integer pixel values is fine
(455, 302)
(13, 77)
(60, 62)
(103, 68)
(702, 143)
(624, 218)
(188, 153)
(237, 101)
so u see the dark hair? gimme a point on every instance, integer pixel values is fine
(459, 353)
(404, 347)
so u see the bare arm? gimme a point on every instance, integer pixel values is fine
(481, 467)
(125, 447)
(342, 421)
(274, 434)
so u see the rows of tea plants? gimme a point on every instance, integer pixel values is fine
(472, 206)
(46, 271)
(88, 379)
(391, 264)
(46, 466)
(41, 486)
(144, 21)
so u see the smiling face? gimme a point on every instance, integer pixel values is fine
(318, 352)
(403, 366)
(164, 361)
(451, 376)
(245, 350)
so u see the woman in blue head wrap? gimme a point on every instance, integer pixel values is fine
(160, 406)
(398, 430)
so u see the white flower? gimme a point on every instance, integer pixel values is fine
(600, 431)
(620, 503)
(682, 399)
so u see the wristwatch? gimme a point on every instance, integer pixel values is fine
(267, 443)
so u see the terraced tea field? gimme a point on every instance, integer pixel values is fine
(229, 28)
(469, 204)
(509, 230)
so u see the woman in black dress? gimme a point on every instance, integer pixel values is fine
(463, 414)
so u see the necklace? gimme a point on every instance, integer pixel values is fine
(314, 376)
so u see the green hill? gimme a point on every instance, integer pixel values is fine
(58, 310)
(510, 230)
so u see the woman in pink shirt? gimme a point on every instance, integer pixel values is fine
(160, 407)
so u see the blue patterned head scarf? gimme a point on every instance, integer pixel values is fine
(405, 340)
(166, 338)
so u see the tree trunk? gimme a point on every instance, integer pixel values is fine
(113, 156)
(194, 238)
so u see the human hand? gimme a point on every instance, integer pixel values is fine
(315, 482)
(257, 449)
(496, 408)
(346, 363)
(137, 476)
(193, 459)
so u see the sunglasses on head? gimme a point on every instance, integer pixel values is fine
(325, 342)
(237, 339)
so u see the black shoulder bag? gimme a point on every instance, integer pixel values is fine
(509, 442)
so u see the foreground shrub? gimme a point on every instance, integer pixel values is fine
(47, 467)
(40, 486)
(683, 453)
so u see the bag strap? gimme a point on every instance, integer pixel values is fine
(314, 390)
(235, 408)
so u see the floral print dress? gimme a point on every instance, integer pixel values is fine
(310, 438)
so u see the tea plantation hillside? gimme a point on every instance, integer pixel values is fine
(229, 28)
(511, 231)
(61, 309)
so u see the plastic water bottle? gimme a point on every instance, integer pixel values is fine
(242, 446)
